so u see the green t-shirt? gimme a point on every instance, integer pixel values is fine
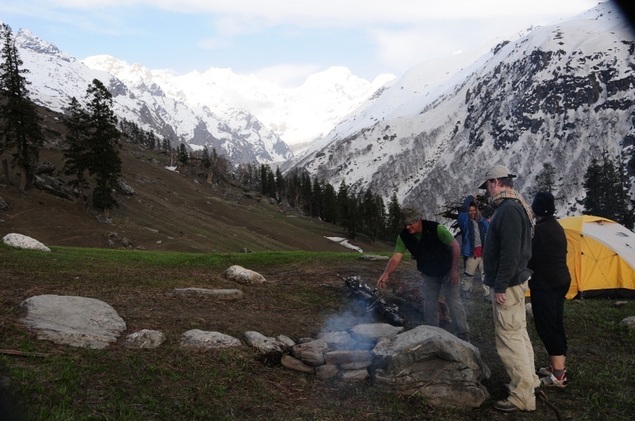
(443, 233)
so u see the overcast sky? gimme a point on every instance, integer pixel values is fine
(283, 40)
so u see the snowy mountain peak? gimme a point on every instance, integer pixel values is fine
(560, 94)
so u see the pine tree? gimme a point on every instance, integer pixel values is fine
(280, 185)
(329, 204)
(370, 216)
(342, 204)
(545, 180)
(393, 224)
(316, 199)
(606, 193)
(306, 192)
(104, 163)
(205, 160)
(21, 128)
(183, 156)
(77, 151)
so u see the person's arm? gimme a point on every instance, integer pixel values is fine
(447, 238)
(392, 264)
(464, 217)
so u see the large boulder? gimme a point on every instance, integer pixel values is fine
(23, 242)
(241, 275)
(432, 363)
(75, 321)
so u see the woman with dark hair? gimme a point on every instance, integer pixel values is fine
(549, 285)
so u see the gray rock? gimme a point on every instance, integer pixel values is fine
(201, 339)
(371, 332)
(264, 344)
(326, 371)
(124, 188)
(433, 363)
(4, 205)
(628, 322)
(241, 275)
(311, 352)
(23, 242)
(75, 321)
(292, 363)
(354, 375)
(145, 339)
(221, 294)
(286, 341)
(340, 339)
(373, 257)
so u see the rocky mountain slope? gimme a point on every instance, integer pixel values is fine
(560, 94)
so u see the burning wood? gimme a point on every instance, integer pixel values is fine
(374, 302)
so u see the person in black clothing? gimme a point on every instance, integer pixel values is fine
(549, 285)
(436, 252)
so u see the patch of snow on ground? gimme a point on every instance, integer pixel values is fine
(345, 243)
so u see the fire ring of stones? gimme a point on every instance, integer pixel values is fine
(427, 361)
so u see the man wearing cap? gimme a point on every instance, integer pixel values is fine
(437, 252)
(505, 259)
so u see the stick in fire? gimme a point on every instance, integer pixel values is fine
(374, 302)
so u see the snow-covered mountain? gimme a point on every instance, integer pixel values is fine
(298, 115)
(55, 78)
(560, 94)
(211, 110)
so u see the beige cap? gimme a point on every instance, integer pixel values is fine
(497, 171)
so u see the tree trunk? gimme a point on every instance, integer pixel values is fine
(23, 180)
(5, 171)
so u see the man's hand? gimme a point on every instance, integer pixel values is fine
(381, 282)
(454, 277)
(500, 297)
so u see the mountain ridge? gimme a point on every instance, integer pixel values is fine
(560, 94)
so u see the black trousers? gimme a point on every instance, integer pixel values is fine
(547, 306)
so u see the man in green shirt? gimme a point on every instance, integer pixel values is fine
(437, 253)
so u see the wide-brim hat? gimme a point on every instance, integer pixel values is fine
(498, 171)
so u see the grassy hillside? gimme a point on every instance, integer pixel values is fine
(168, 211)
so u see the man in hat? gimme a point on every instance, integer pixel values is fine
(505, 259)
(437, 253)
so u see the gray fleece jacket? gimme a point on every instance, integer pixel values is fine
(507, 247)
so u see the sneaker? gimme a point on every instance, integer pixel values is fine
(545, 371)
(553, 381)
(505, 406)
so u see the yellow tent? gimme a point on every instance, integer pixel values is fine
(600, 256)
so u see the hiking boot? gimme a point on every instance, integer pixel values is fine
(552, 381)
(545, 371)
(505, 406)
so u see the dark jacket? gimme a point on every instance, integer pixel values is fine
(507, 247)
(467, 227)
(549, 256)
(434, 258)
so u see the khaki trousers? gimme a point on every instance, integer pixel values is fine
(514, 347)
(472, 265)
